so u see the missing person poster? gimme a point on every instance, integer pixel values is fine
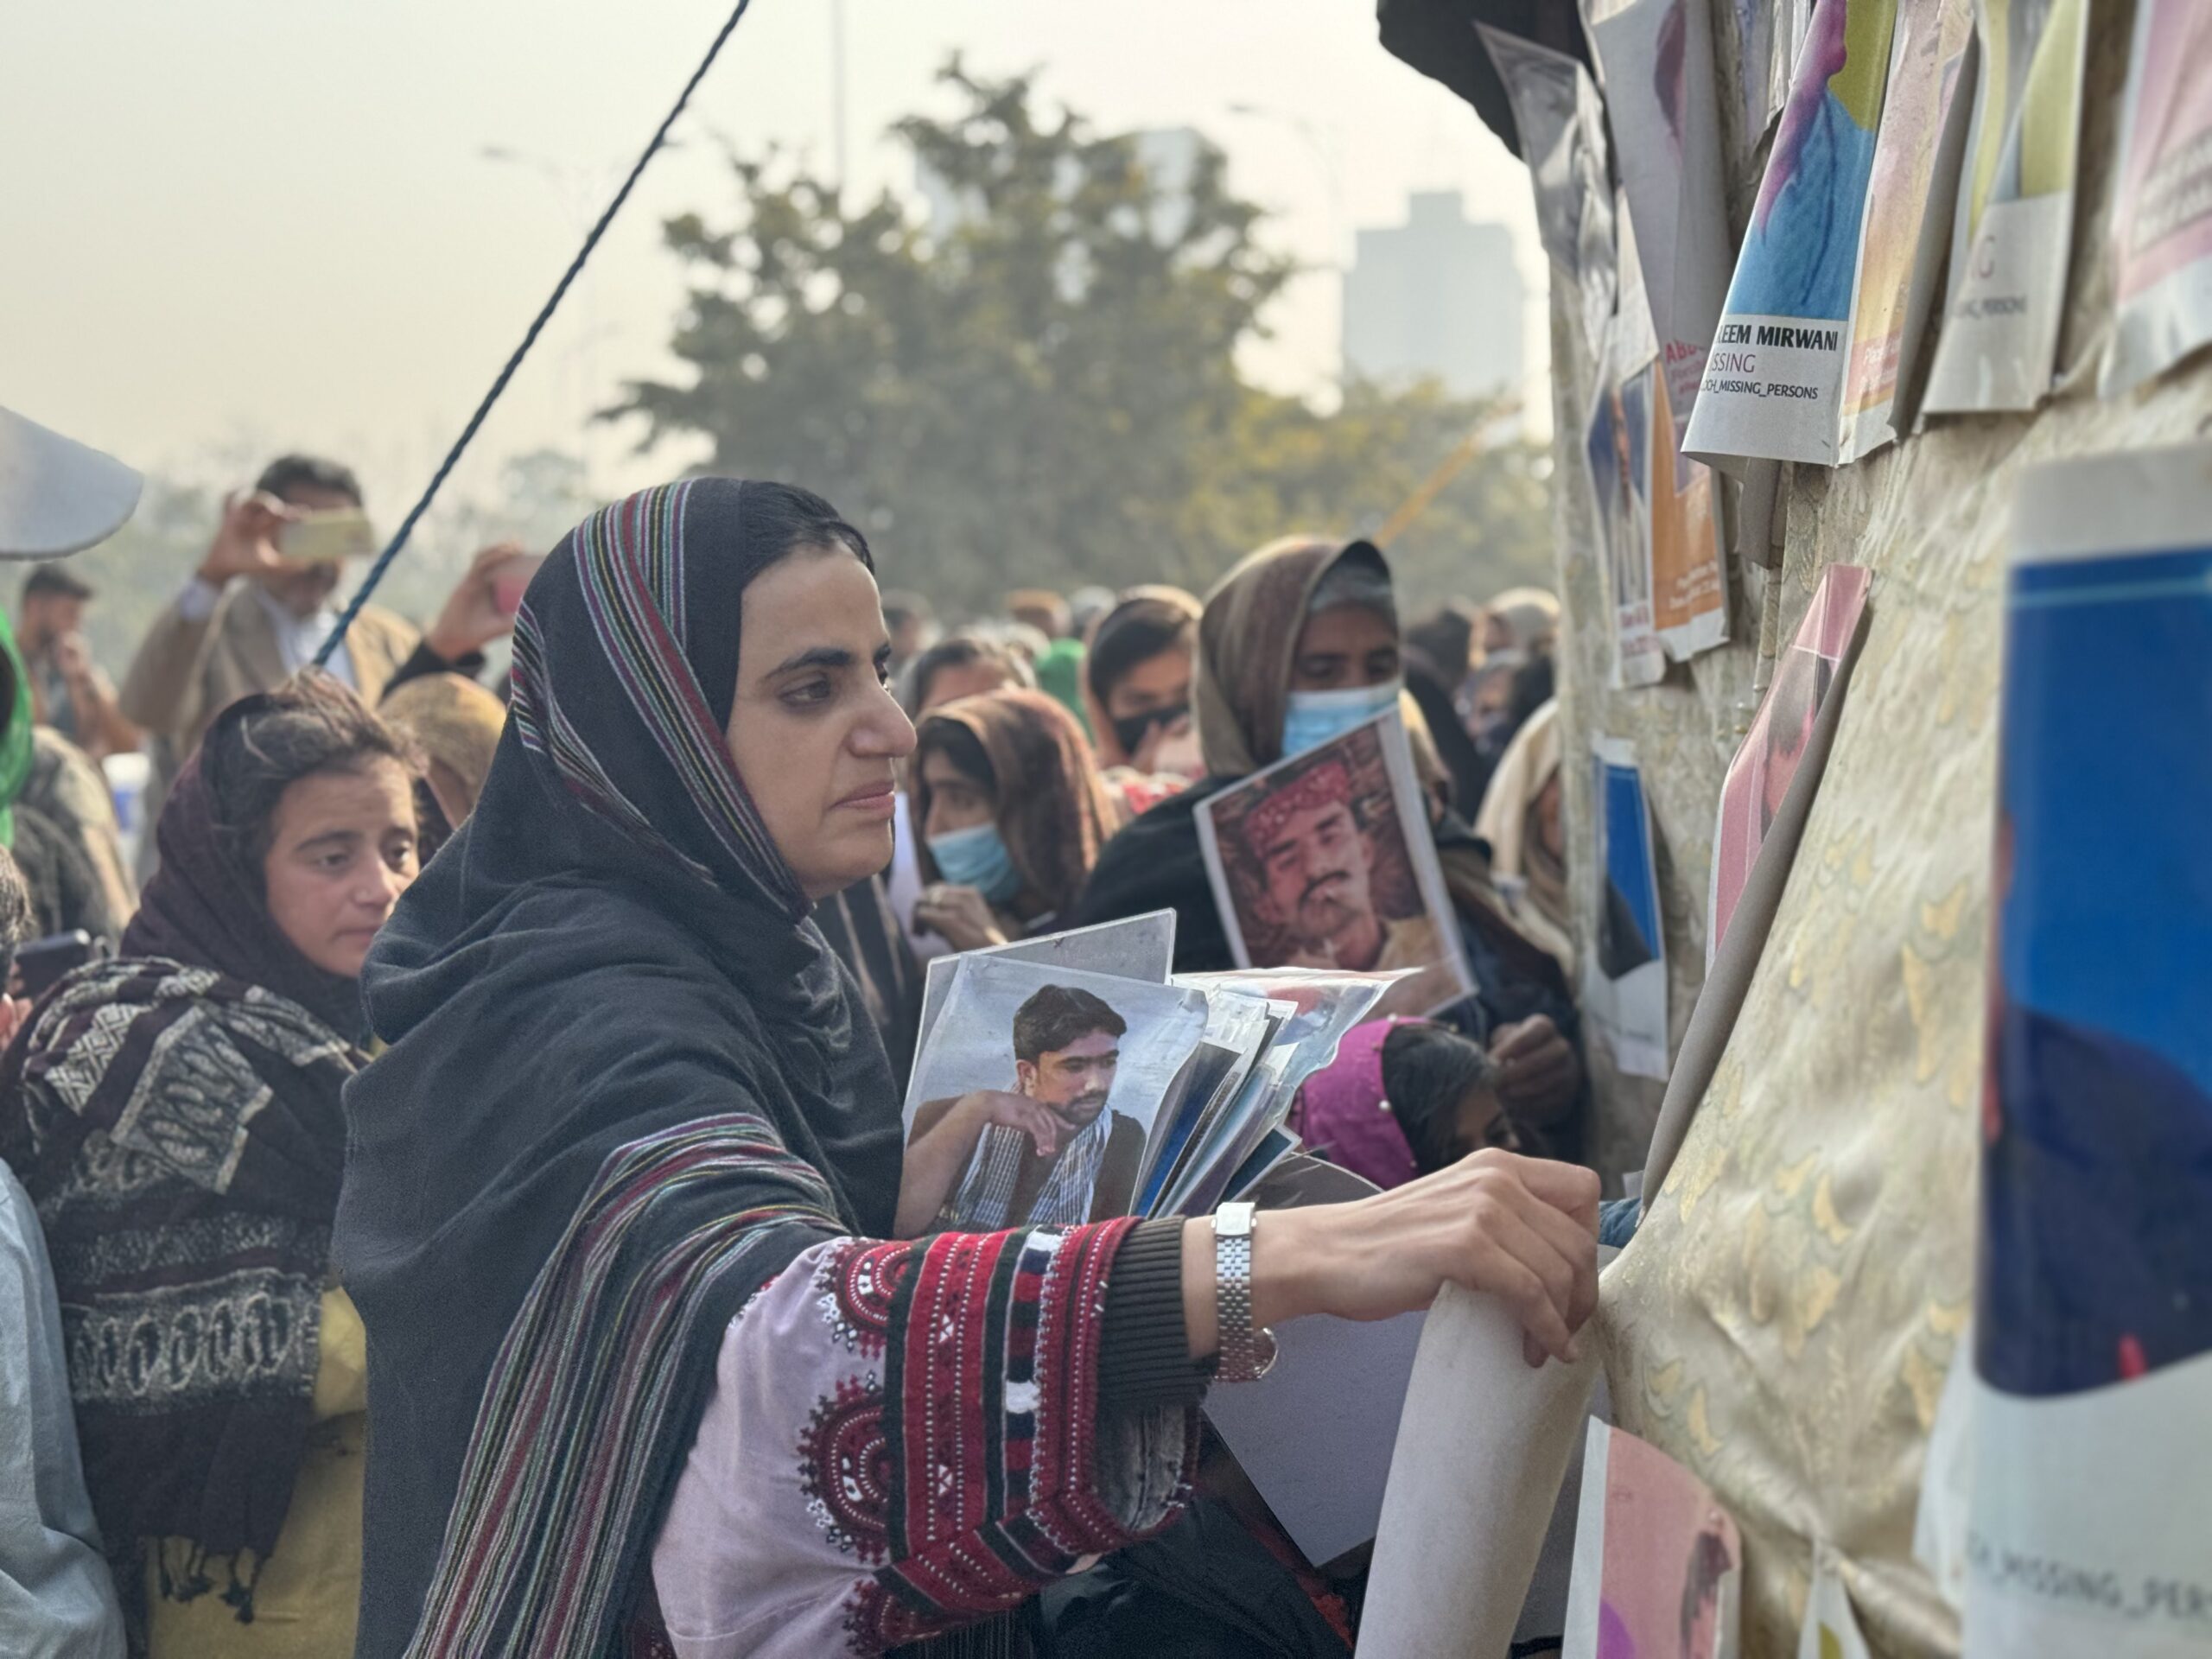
(1656, 58)
(1658, 1563)
(1617, 444)
(1625, 984)
(1562, 123)
(1773, 382)
(2093, 1326)
(1325, 861)
(2162, 224)
(1033, 1100)
(1689, 580)
(1767, 764)
(2014, 233)
(1910, 205)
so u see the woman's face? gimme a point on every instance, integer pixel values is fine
(1345, 648)
(813, 729)
(956, 800)
(1157, 683)
(340, 853)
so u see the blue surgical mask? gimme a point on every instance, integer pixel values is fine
(977, 858)
(1313, 718)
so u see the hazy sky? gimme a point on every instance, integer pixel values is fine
(238, 225)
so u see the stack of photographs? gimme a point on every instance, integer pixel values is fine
(1072, 1078)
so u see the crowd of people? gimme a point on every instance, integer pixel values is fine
(451, 1190)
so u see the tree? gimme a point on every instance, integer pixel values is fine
(1047, 391)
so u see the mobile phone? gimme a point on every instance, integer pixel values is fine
(512, 580)
(41, 964)
(327, 538)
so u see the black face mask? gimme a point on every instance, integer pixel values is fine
(1131, 730)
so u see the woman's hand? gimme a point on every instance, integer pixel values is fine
(962, 916)
(1538, 1072)
(1522, 1228)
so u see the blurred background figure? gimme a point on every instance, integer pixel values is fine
(912, 626)
(454, 724)
(1043, 610)
(69, 693)
(1521, 619)
(965, 663)
(1520, 820)
(1013, 813)
(1137, 684)
(1087, 607)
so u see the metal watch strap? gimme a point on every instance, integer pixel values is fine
(1246, 1355)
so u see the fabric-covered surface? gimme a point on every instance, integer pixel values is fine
(1784, 1319)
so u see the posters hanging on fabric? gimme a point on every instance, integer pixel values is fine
(2162, 224)
(1034, 1098)
(2093, 1327)
(1773, 382)
(1760, 774)
(1562, 124)
(2013, 232)
(1910, 205)
(1325, 861)
(1616, 443)
(1658, 1563)
(1657, 58)
(1626, 981)
(1689, 571)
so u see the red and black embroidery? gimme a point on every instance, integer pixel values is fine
(845, 1467)
(858, 1287)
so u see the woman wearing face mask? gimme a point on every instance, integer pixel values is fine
(176, 1113)
(1298, 645)
(1137, 681)
(1013, 813)
(646, 1366)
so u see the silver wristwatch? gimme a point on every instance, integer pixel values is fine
(1246, 1355)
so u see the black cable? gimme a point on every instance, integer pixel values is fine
(537, 324)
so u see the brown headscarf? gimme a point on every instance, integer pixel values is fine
(1248, 638)
(1054, 811)
(1509, 822)
(456, 724)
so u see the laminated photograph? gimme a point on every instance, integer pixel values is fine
(1142, 947)
(1616, 442)
(1033, 1101)
(2013, 236)
(1658, 1563)
(2093, 1323)
(1657, 56)
(1626, 985)
(1776, 374)
(1760, 775)
(1325, 861)
(2162, 224)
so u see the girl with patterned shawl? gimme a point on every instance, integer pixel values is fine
(1011, 766)
(175, 1116)
(647, 1373)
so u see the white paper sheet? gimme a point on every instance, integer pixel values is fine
(1315, 1433)
(1483, 1446)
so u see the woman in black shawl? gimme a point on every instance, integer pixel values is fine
(175, 1114)
(616, 1191)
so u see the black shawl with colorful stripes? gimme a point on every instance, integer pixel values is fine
(626, 1083)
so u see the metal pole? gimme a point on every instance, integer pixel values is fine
(837, 88)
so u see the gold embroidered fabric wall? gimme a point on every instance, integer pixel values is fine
(1784, 1322)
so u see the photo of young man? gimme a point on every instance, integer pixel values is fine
(1317, 861)
(1048, 1151)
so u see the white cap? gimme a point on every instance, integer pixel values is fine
(57, 496)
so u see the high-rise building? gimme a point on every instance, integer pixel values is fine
(1436, 296)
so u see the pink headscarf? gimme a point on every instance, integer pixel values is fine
(1343, 1116)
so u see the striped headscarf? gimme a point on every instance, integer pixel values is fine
(626, 1083)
